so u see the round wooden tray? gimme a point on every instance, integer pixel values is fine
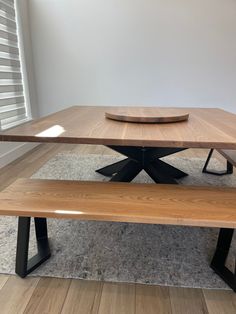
(147, 115)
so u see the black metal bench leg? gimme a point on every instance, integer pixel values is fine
(220, 256)
(229, 169)
(24, 265)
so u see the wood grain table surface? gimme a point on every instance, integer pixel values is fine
(205, 128)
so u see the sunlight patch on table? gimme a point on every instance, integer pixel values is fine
(70, 212)
(54, 131)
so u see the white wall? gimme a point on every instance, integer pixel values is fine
(127, 52)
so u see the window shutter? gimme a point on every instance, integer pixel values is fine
(12, 102)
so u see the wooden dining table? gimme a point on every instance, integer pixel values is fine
(142, 144)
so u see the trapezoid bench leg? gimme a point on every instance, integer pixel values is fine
(24, 266)
(220, 256)
(229, 167)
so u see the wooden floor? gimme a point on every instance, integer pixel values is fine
(52, 295)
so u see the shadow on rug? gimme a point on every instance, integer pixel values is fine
(122, 252)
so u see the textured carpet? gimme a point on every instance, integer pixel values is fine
(122, 252)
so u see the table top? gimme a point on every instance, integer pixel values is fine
(206, 128)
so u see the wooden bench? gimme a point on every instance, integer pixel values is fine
(229, 155)
(118, 202)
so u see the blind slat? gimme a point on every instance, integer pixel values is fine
(7, 28)
(6, 8)
(11, 88)
(9, 56)
(12, 113)
(6, 15)
(9, 43)
(9, 49)
(11, 100)
(11, 107)
(10, 75)
(9, 2)
(7, 35)
(5, 123)
(7, 22)
(9, 62)
(4, 82)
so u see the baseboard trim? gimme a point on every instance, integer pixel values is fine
(15, 153)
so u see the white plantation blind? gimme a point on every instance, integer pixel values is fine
(12, 101)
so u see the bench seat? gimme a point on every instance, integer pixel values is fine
(123, 202)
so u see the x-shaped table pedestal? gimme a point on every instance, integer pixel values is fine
(143, 158)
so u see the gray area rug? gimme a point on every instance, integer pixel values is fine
(122, 252)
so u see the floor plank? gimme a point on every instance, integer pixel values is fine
(49, 296)
(188, 301)
(152, 300)
(3, 280)
(83, 297)
(220, 302)
(117, 298)
(16, 293)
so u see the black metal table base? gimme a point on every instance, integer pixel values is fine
(143, 158)
(229, 167)
(24, 266)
